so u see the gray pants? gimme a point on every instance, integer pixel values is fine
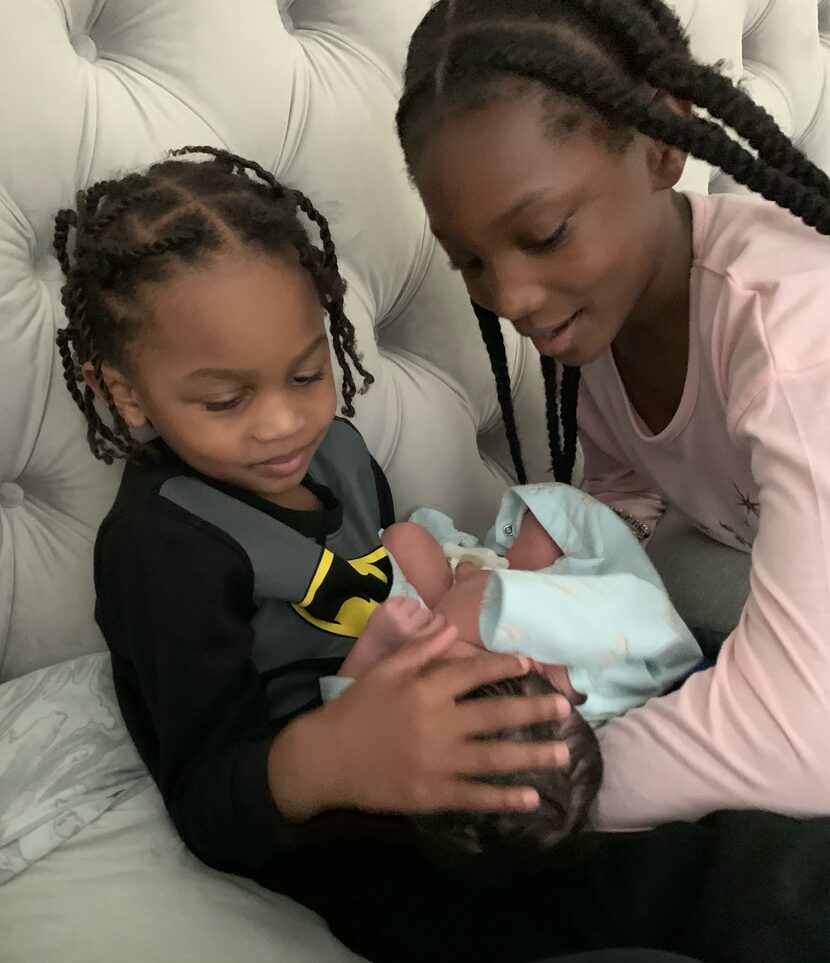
(707, 581)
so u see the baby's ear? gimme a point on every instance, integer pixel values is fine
(119, 388)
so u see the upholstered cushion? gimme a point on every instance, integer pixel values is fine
(89, 88)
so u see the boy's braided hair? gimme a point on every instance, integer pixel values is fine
(599, 61)
(140, 228)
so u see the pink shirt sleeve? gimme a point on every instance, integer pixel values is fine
(753, 732)
(607, 475)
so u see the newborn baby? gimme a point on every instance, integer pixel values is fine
(561, 580)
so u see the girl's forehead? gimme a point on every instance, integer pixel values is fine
(493, 163)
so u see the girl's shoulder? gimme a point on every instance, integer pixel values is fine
(759, 292)
(754, 244)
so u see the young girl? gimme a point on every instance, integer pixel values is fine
(546, 139)
(241, 558)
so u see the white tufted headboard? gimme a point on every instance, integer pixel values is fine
(93, 87)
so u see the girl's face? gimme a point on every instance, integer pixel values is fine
(559, 236)
(233, 371)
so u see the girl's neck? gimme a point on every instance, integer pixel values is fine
(651, 351)
(663, 306)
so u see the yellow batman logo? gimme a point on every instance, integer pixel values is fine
(343, 593)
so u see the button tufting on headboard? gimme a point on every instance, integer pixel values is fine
(90, 88)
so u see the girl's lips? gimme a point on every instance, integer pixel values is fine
(558, 339)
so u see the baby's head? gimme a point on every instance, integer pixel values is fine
(566, 794)
(195, 303)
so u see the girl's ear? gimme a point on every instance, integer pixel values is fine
(667, 163)
(123, 394)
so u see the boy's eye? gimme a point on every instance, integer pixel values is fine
(302, 380)
(226, 405)
(552, 240)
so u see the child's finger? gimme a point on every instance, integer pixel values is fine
(460, 676)
(488, 758)
(482, 716)
(421, 651)
(461, 794)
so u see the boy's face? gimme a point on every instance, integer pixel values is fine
(233, 371)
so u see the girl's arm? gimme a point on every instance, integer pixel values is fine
(754, 732)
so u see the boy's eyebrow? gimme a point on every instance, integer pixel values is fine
(242, 374)
(307, 352)
(220, 374)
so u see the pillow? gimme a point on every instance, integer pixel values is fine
(65, 758)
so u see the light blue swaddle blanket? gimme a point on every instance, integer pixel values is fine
(601, 610)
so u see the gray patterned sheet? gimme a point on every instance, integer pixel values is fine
(65, 758)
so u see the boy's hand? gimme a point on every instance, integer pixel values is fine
(398, 740)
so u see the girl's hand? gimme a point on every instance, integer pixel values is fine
(399, 741)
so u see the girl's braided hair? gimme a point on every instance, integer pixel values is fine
(602, 60)
(140, 228)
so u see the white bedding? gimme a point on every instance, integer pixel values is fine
(118, 882)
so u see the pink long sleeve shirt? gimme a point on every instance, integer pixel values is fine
(747, 457)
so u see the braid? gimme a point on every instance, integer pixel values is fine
(561, 395)
(140, 228)
(330, 285)
(544, 58)
(569, 402)
(664, 62)
(491, 334)
(552, 413)
(640, 46)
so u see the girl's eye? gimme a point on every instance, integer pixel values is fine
(303, 380)
(227, 405)
(469, 267)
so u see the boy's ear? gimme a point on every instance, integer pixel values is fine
(123, 394)
(667, 163)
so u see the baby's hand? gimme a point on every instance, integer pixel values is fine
(393, 624)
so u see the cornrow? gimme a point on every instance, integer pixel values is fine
(139, 228)
(640, 48)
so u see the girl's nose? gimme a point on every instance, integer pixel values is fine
(516, 292)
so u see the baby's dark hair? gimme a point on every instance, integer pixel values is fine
(600, 62)
(507, 839)
(141, 228)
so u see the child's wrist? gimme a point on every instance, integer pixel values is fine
(302, 773)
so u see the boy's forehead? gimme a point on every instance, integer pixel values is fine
(234, 313)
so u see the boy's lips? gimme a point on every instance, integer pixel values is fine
(283, 465)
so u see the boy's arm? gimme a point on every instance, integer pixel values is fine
(174, 604)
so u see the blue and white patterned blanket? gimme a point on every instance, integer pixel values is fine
(65, 758)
